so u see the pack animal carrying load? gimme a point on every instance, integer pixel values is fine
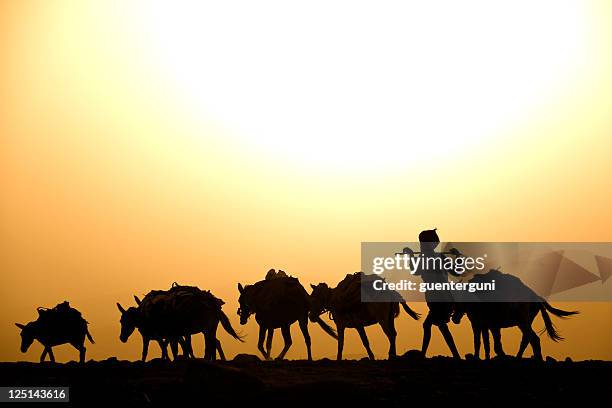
(59, 325)
(61, 315)
(172, 316)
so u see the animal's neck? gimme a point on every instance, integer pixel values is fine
(328, 298)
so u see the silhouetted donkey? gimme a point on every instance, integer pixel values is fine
(278, 303)
(60, 325)
(494, 315)
(348, 311)
(170, 316)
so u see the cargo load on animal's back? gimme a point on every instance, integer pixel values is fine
(178, 302)
(273, 274)
(273, 293)
(347, 294)
(61, 324)
(185, 297)
(357, 288)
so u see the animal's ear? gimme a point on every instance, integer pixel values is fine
(21, 326)
(312, 286)
(121, 309)
(240, 288)
(137, 300)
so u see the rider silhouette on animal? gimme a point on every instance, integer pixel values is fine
(440, 302)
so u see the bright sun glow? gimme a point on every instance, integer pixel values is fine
(366, 83)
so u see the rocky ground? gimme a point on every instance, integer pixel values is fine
(322, 383)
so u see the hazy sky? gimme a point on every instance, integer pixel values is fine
(143, 143)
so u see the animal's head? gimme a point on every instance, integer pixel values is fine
(130, 320)
(319, 300)
(27, 335)
(245, 309)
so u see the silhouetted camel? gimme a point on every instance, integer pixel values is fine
(53, 327)
(168, 316)
(348, 311)
(486, 314)
(277, 303)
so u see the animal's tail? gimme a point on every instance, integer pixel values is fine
(559, 312)
(91, 340)
(549, 327)
(326, 327)
(411, 312)
(228, 326)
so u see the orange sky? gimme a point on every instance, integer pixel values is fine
(130, 159)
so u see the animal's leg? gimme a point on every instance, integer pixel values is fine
(477, 331)
(340, 341)
(43, 355)
(487, 345)
(426, 334)
(388, 327)
(210, 347)
(220, 350)
(163, 347)
(286, 332)
(534, 340)
(51, 356)
(260, 342)
(213, 342)
(269, 342)
(145, 348)
(207, 346)
(497, 343)
(210, 339)
(187, 341)
(81, 348)
(365, 341)
(174, 348)
(448, 337)
(523, 346)
(183, 346)
(304, 327)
